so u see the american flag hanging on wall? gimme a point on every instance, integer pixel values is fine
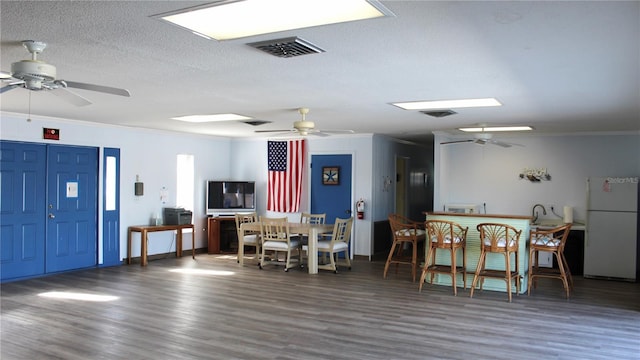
(285, 163)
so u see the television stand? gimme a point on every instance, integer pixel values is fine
(222, 236)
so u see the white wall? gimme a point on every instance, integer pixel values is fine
(152, 154)
(464, 173)
(148, 153)
(471, 173)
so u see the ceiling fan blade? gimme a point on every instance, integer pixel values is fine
(98, 88)
(319, 133)
(270, 131)
(338, 131)
(4, 89)
(500, 143)
(5, 75)
(505, 144)
(456, 142)
(71, 97)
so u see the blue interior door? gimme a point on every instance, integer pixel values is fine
(332, 199)
(72, 182)
(22, 209)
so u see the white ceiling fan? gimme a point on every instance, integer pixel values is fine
(305, 127)
(34, 74)
(481, 138)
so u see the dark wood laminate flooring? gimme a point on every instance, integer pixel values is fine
(212, 308)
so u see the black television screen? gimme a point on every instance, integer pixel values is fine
(229, 197)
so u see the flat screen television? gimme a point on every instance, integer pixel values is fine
(230, 197)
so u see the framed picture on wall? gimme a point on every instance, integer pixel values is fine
(330, 175)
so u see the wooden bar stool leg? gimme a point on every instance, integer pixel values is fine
(414, 260)
(453, 271)
(508, 273)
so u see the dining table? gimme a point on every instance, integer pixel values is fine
(312, 230)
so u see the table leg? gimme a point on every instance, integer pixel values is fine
(179, 243)
(312, 256)
(241, 245)
(129, 246)
(143, 248)
(193, 242)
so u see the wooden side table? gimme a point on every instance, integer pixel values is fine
(145, 229)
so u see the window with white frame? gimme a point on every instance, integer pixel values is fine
(185, 187)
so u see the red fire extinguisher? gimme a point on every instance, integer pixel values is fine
(360, 208)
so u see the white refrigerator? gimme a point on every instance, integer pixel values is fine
(611, 238)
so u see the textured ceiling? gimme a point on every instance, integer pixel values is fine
(562, 67)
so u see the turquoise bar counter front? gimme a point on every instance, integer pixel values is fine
(494, 261)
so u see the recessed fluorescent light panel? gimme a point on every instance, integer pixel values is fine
(447, 104)
(211, 118)
(497, 128)
(233, 19)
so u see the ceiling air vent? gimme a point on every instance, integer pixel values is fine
(438, 113)
(257, 122)
(287, 47)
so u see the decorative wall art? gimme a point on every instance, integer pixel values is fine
(330, 175)
(535, 174)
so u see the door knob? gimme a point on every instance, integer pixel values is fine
(51, 216)
(348, 211)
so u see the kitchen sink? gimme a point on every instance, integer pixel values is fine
(551, 223)
(548, 223)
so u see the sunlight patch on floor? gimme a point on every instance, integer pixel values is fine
(77, 296)
(202, 272)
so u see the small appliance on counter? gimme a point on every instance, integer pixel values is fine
(462, 208)
(177, 216)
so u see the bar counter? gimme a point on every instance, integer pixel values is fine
(494, 261)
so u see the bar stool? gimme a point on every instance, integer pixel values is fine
(553, 241)
(500, 239)
(447, 235)
(405, 231)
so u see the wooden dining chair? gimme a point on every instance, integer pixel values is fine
(449, 236)
(498, 239)
(405, 232)
(313, 219)
(339, 243)
(553, 241)
(276, 237)
(249, 238)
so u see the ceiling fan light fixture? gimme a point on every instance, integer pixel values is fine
(233, 19)
(447, 104)
(496, 128)
(211, 118)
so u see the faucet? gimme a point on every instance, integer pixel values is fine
(535, 214)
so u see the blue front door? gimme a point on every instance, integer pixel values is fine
(72, 218)
(48, 208)
(22, 209)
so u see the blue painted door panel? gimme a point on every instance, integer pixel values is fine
(22, 209)
(111, 210)
(72, 208)
(334, 200)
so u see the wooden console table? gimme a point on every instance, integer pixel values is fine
(145, 229)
